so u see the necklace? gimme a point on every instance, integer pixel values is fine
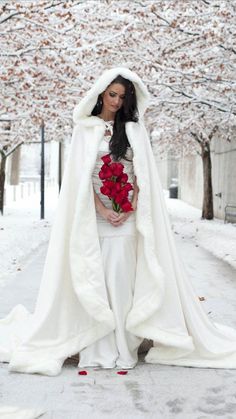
(109, 125)
(108, 131)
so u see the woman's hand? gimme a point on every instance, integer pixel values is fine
(113, 217)
(109, 215)
(121, 218)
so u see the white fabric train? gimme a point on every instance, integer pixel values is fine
(72, 309)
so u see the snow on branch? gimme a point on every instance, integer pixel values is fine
(52, 51)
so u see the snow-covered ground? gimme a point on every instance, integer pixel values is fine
(213, 235)
(22, 231)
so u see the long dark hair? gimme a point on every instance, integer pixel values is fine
(128, 112)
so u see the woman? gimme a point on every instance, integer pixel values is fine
(117, 230)
(91, 301)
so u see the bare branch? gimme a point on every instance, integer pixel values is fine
(10, 16)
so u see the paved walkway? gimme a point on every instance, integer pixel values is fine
(148, 391)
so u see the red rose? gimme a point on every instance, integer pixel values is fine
(118, 199)
(128, 187)
(126, 207)
(113, 192)
(117, 168)
(105, 172)
(123, 178)
(105, 191)
(117, 186)
(121, 197)
(109, 184)
(106, 159)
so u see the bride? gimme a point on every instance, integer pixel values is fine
(112, 275)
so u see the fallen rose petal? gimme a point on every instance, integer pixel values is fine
(122, 372)
(82, 373)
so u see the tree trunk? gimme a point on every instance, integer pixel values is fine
(207, 207)
(2, 181)
(15, 167)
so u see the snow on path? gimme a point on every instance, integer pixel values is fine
(213, 235)
(22, 232)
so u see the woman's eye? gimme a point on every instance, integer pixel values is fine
(112, 94)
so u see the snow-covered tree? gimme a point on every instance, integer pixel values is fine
(184, 50)
(193, 80)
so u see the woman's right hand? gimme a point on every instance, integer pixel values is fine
(109, 215)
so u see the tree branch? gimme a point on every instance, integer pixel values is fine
(195, 136)
(227, 49)
(13, 149)
(10, 16)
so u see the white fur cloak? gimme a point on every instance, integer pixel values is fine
(72, 309)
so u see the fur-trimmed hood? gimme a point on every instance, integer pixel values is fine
(86, 105)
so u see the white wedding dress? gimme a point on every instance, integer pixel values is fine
(118, 247)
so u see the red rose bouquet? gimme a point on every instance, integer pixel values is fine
(115, 184)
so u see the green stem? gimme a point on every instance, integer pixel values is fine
(115, 206)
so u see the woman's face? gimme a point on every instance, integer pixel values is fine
(113, 97)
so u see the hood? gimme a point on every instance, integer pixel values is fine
(86, 105)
